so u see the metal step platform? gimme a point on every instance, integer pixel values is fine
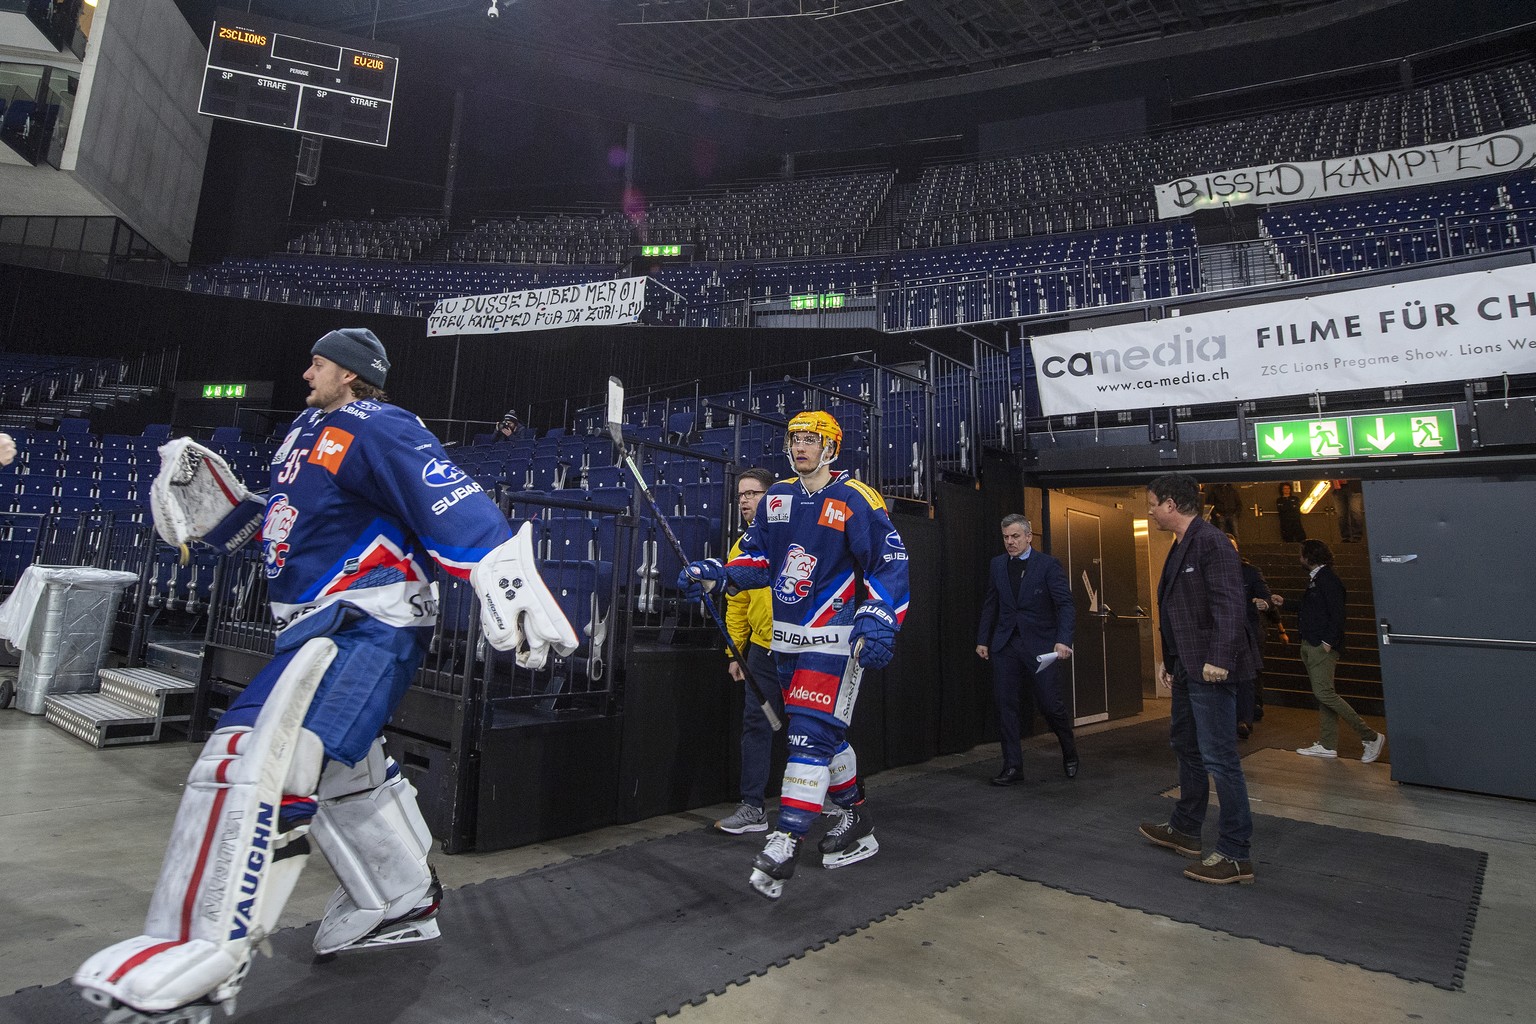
(178, 658)
(133, 706)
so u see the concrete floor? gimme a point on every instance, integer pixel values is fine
(82, 832)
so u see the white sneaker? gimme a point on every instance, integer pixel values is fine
(1373, 748)
(1316, 750)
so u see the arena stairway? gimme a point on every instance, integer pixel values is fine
(1358, 676)
(1238, 265)
(133, 705)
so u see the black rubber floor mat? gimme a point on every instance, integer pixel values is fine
(639, 931)
(1383, 903)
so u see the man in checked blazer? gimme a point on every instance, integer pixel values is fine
(1027, 612)
(1202, 611)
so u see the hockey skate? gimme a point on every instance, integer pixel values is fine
(850, 840)
(418, 924)
(199, 1011)
(776, 864)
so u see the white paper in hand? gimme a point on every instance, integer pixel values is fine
(1046, 661)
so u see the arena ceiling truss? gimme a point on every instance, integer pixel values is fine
(795, 49)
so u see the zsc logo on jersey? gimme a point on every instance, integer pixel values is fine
(331, 448)
(834, 514)
(794, 580)
(274, 533)
(441, 473)
(778, 507)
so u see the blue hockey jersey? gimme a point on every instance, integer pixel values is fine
(363, 500)
(812, 549)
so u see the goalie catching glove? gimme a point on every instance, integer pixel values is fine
(195, 497)
(517, 611)
(876, 624)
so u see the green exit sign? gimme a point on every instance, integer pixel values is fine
(1422, 432)
(223, 390)
(1404, 433)
(829, 300)
(661, 250)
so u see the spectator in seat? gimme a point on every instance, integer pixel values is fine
(509, 427)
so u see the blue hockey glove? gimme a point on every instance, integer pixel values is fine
(876, 624)
(698, 578)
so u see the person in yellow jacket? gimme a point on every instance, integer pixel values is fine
(749, 621)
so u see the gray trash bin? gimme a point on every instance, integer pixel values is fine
(61, 618)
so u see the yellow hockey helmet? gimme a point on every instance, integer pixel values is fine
(823, 426)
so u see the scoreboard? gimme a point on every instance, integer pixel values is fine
(263, 71)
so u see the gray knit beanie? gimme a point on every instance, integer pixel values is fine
(358, 350)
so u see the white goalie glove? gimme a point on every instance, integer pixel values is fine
(195, 497)
(517, 611)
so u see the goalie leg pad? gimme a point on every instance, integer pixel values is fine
(373, 835)
(219, 891)
(517, 611)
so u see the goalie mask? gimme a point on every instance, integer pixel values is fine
(823, 426)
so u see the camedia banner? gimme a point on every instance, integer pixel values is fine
(1449, 328)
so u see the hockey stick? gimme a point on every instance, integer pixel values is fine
(616, 431)
(847, 687)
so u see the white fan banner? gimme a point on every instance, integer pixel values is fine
(1497, 153)
(595, 303)
(1463, 327)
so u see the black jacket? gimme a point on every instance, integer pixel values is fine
(1322, 610)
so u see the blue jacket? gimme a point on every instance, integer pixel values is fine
(1041, 612)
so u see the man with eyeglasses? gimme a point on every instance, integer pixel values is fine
(1202, 612)
(814, 538)
(749, 621)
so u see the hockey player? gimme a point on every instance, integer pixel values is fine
(813, 540)
(362, 503)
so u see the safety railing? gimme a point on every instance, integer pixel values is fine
(1026, 292)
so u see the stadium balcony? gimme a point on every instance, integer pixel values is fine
(53, 390)
(1391, 229)
(402, 238)
(1110, 183)
(1021, 237)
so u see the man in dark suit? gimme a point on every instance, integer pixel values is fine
(1202, 609)
(1027, 612)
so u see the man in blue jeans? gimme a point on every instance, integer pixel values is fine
(749, 621)
(1205, 651)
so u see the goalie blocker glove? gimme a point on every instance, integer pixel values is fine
(699, 578)
(517, 611)
(241, 524)
(875, 623)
